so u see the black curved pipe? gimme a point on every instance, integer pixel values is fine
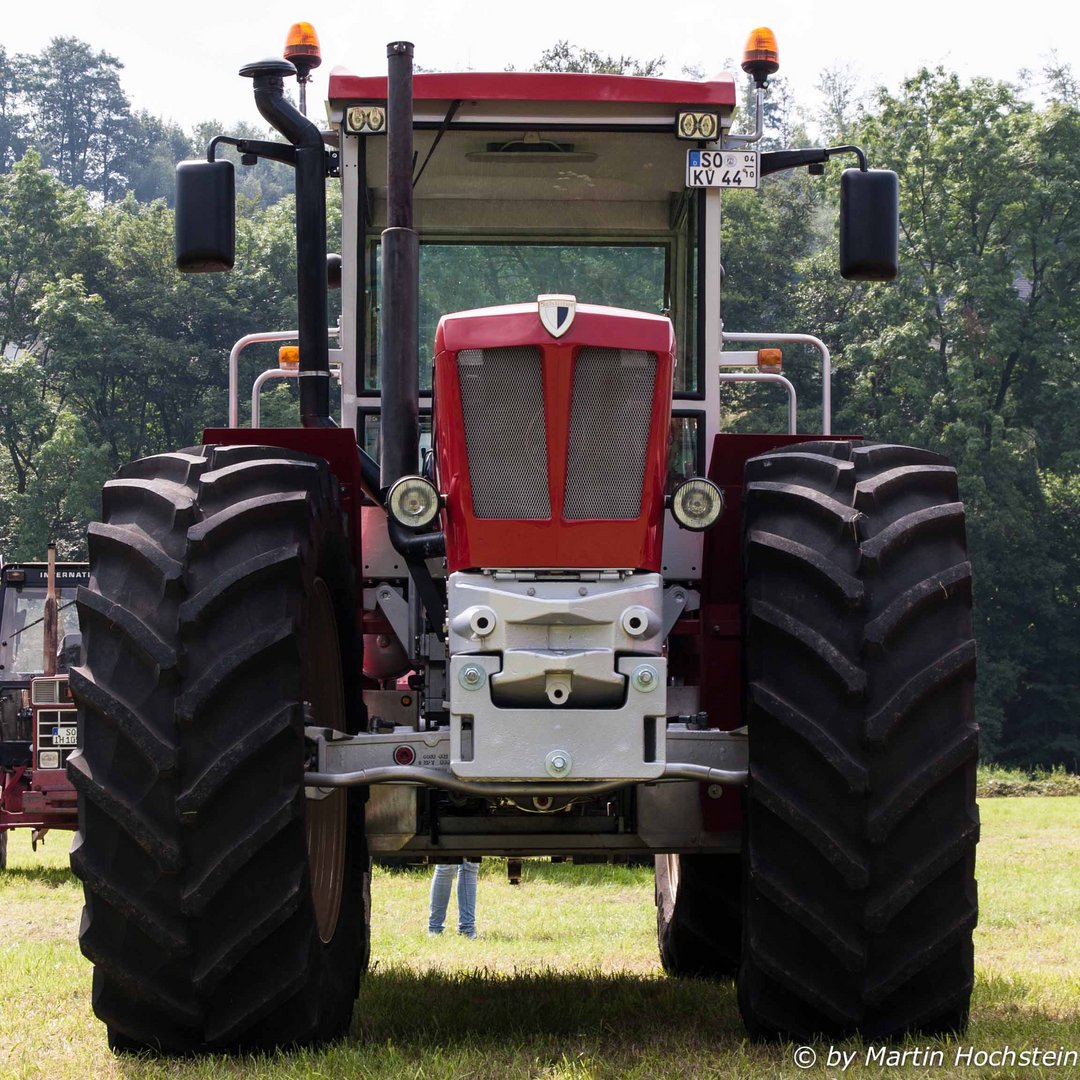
(311, 289)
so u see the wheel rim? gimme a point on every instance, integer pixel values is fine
(671, 880)
(669, 885)
(326, 820)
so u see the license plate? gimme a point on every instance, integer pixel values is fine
(66, 736)
(722, 168)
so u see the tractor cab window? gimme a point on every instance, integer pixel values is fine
(460, 276)
(22, 628)
(505, 216)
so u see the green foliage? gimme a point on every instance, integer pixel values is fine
(994, 781)
(79, 116)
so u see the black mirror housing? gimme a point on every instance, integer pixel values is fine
(869, 224)
(205, 216)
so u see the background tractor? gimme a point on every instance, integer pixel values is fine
(513, 591)
(39, 640)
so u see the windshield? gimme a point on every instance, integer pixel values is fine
(22, 629)
(462, 276)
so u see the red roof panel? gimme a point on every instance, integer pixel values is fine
(539, 86)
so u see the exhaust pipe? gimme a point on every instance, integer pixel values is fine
(51, 630)
(269, 85)
(399, 349)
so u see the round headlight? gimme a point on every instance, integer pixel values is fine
(697, 504)
(413, 501)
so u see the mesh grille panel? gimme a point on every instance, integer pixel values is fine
(609, 433)
(502, 400)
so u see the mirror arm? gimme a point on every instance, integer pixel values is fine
(255, 148)
(779, 160)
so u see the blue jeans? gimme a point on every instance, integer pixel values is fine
(466, 897)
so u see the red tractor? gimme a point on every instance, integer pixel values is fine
(523, 596)
(38, 641)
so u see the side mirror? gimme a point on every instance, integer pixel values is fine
(205, 216)
(869, 224)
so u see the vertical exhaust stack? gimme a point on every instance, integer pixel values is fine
(268, 77)
(399, 349)
(51, 615)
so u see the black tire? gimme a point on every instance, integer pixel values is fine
(219, 619)
(699, 914)
(3, 847)
(859, 673)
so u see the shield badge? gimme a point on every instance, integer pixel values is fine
(557, 311)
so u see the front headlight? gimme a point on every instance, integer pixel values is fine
(697, 504)
(413, 501)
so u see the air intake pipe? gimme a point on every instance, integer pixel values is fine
(399, 318)
(268, 76)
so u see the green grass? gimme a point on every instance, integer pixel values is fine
(563, 981)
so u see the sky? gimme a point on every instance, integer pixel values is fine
(180, 59)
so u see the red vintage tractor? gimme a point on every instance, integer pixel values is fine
(524, 596)
(38, 641)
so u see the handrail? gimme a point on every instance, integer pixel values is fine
(278, 373)
(799, 339)
(234, 362)
(769, 377)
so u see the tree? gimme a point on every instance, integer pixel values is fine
(64, 493)
(12, 119)
(841, 104)
(80, 117)
(562, 56)
(45, 230)
(153, 149)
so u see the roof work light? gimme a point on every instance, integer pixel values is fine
(761, 58)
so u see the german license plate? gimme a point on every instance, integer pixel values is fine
(722, 168)
(66, 736)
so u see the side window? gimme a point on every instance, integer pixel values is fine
(686, 454)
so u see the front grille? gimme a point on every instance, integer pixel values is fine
(502, 401)
(609, 433)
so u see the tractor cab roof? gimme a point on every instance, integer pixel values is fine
(480, 90)
(509, 153)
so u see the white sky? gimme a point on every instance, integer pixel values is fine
(181, 58)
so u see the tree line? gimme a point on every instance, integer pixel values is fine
(108, 354)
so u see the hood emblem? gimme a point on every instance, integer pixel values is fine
(557, 311)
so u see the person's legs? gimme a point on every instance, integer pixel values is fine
(466, 898)
(441, 881)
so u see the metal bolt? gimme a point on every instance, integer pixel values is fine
(559, 762)
(582, 591)
(644, 678)
(471, 677)
(714, 791)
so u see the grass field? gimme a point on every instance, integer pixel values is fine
(563, 981)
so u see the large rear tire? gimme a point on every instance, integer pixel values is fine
(699, 915)
(862, 823)
(223, 909)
